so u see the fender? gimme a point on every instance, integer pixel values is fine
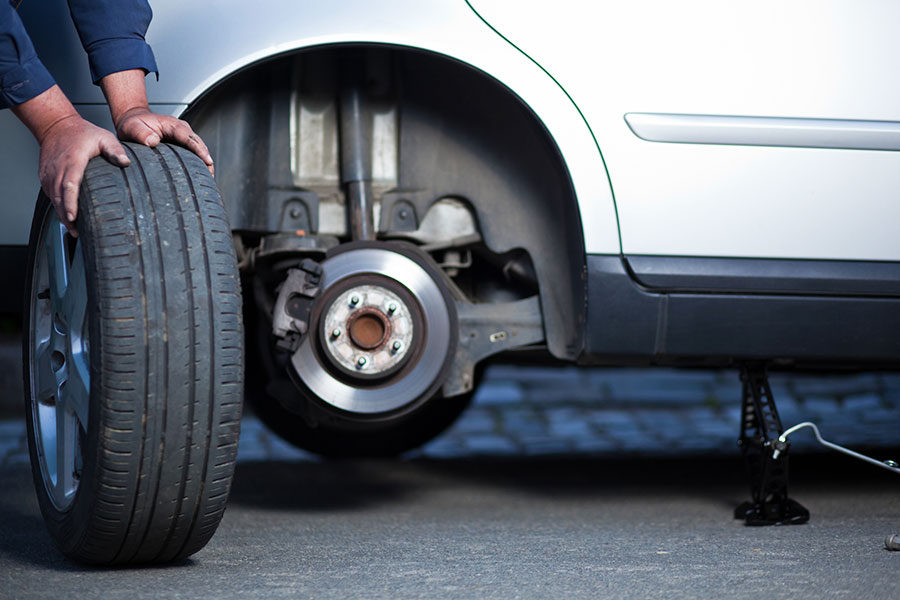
(196, 48)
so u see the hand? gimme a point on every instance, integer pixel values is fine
(145, 127)
(126, 95)
(67, 143)
(66, 147)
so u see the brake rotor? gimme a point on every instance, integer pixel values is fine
(382, 332)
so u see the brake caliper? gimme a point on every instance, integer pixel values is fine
(296, 295)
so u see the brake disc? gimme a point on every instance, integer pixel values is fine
(382, 332)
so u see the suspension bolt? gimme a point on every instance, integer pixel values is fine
(396, 346)
(354, 300)
(335, 333)
(392, 308)
(361, 362)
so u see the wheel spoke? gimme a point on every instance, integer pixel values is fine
(58, 265)
(65, 453)
(76, 392)
(46, 385)
(75, 300)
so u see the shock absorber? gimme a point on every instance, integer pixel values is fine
(356, 147)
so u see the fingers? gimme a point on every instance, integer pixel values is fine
(135, 129)
(60, 210)
(114, 152)
(68, 190)
(180, 132)
(150, 129)
(65, 152)
(62, 188)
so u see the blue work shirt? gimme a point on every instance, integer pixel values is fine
(111, 31)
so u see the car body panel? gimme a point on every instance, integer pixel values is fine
(803, 60)
(197, 47)
(19, 153)
(758, 131)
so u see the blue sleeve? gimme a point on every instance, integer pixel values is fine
(22, 75)
(112, 32)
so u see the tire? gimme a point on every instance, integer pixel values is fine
(133, 352)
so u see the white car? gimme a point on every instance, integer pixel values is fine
(414, 187)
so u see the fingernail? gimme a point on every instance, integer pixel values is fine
(70, 216)
(152, 140)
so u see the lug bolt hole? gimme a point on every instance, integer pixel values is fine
(60, 324)
(57, 360)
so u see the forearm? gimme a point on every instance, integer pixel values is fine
(124, 91)
(43, 112)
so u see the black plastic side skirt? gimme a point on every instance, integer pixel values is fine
(766, 275)
(628, 324)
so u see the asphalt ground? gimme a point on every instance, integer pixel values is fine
(558, 482)
(519, 527)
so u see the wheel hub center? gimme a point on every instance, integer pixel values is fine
(368, 329)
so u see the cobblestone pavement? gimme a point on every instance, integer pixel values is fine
(614, 412)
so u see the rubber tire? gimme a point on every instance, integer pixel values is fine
(166, 362)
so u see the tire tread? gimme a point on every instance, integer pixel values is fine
(167, 372)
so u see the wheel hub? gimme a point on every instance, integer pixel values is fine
(381, 334)
(368, 328)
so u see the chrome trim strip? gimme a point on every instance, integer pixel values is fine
(765, 131)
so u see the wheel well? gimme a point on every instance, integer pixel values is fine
(448, 131)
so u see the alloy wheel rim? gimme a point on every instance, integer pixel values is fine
(59, 361)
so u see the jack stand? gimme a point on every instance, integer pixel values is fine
(765, 455)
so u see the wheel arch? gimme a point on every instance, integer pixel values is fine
(198, 45)
(490, 148)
